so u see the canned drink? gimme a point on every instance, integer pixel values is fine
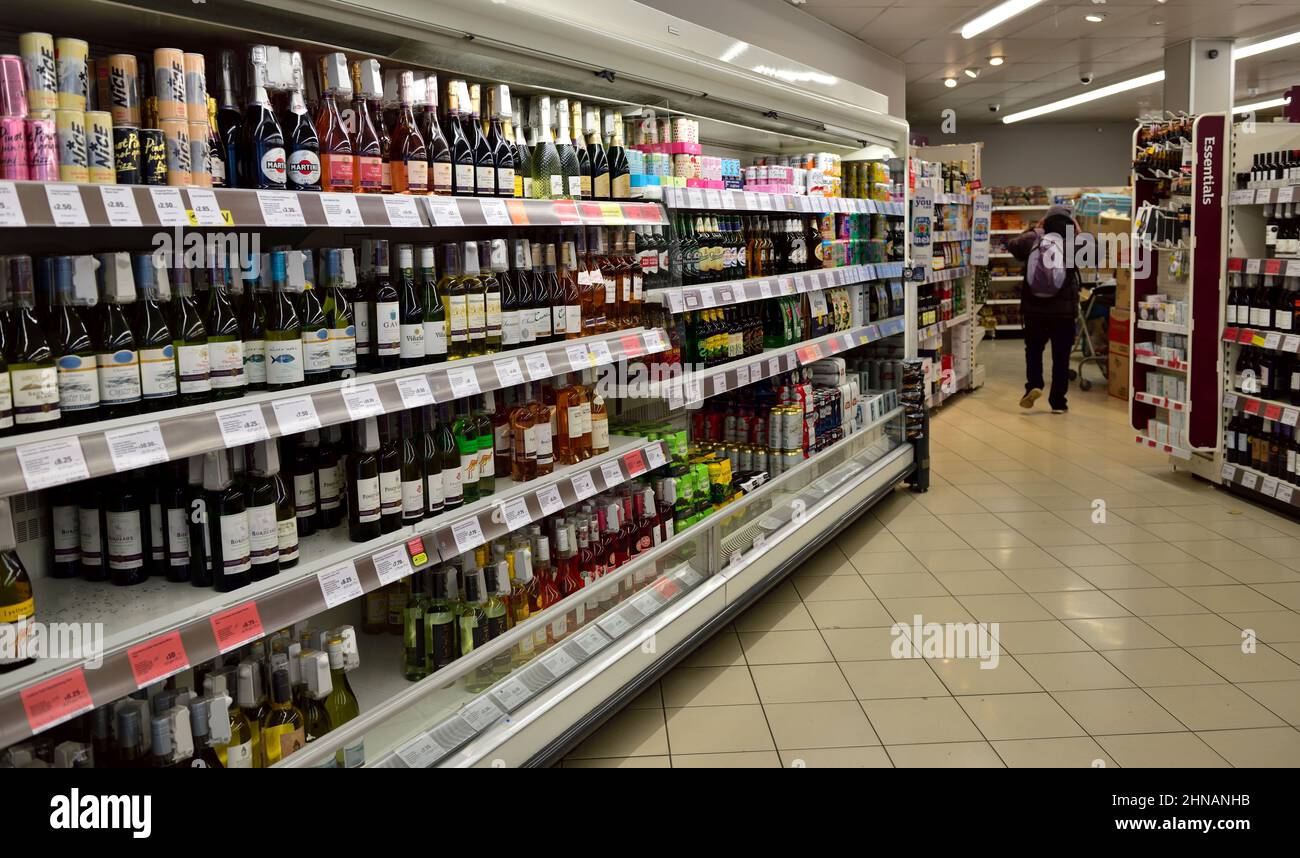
(37, 50)
(13, 94)
(758, 431)
(809, 433)
(775, 421)
(70, 57)
(169, 84)
(120, 88)
(733, 456)
(792, 423)
(200, 156)
(196, 88)
(731, 428)
(42, 149)
(775, 463)
(126, 154)
(745, 462)
(791, 459)
(13, 148)
(180, 164)
(153, 156)
(99, 147)
(70, 126)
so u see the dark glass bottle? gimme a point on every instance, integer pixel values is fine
(453, 484)
(284, 359)
(390, 475)
(127, 533)
(432, 456)
(189, 341)
(176, 520)
(260, 502)
(339, 317)
(485, 170)
(387, 329)
(78, 394)
(226, 524)
(261, 144)
(363, 484)
(302, 471)
(435, 313)
(229, 120)
(92, 531)
(300, 137)
(435, 141)
(154, 335)
(329, 486)
(596, 154)
(498, 141)
(227, 366)
(413, 480)
(316, 365)
(462, 149)
(119, 356)
(410, 310)
(580, 149)
(65, 535)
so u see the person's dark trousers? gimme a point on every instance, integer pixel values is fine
(1039, 331)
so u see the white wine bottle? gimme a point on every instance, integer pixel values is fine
(154, 335)
(284, 359)
(119, 356)
(78, 371)
(17, 599)
(315, 326)
(32, 373)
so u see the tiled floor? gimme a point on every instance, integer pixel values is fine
(1120, 639)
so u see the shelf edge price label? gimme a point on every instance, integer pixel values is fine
(655, 457)
(773, 367)
(157, 658)
(11, 210)
(296, 415)
(742, 376)
(612, 474)
(508, 372)
(280, 208)
(600, 353)
(481, 713)
(341, 209)
(1268, 487)
(169, 206)
(579, 357)
(654, 340)
(509, 694)
(52, 463)
(467, 534)
(514, 514)
(549, 499)
(444, 211)
(66, 207)
(719, 383)
(136, 446)
(583, 486)
(237, 626)
(1249, 479)
(241, 426)
(635, 463)
(1284, 493)
(631, 346)
(119, 205)
(204, 208)
(56, 700)
(558, 662)
(392, 564)
(1228, 473)
(421, 753)
(463, 381)
(401, 211)
(1291, 343)
(1290, 416)
(339, 584)
(495, 212)
(415, 391)
(1272, 340)
(539, 366)
(362, 401)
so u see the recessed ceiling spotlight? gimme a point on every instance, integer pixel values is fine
(1157, 21)
(997, 61)
(971, 73)
(1094, 17)
(950, 82)
(1099, 2)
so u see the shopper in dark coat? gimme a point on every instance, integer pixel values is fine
(1048, 319)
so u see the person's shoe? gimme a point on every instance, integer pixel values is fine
(1028, 400)
(1062, 410)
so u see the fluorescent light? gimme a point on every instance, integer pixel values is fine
(950, 82)
(790, 76)
(736, 49)
(1266, 46)
(997, 61)
(1085, 97)
(1094, 18)
(971, 73)
(990, 19)
(1261, 105)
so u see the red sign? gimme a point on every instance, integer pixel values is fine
(1272, 267)
(1236, 265)
(1252, 406)
(157, 659)
(415, 548)
(567, 212)
(1229, 335)
(666, 588)
(56, 700)
(237, 626)
(1273, 412)
(518, 212)
(1245, 335)
(631, 345)
(835, 346)
(635, 463)
(591, 212)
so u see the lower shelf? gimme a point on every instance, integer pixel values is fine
(1251, 480)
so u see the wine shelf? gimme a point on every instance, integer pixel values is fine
(1272, 340)
(1266, 408)
(1260, 483)
(704, 296)
(1260, 196)
(712, 199)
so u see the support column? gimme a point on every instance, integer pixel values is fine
(1198, 76)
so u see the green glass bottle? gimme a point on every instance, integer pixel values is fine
(428, 445)
(315, 326)
(77, 360)
(283, 726)
(547, 172)
(415, 661)
(453, 485)
(568, 157)
(339, 317)
(435, 313)
(256, 295)
(486, 446)
(227, 366)
(363, 484)
(225, 524)
(410, 310)
(127, 533)
(190, 341)
(118, 354)
(390, 474)
(284, 363)
(154, 335)
(342, 706)
(493, 263)
(413, 481)
(475, 300)
(471, 619)
(439, 620)
(465, 430)
(260, 496)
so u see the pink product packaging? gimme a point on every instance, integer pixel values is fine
(42, 150)
(13, 148)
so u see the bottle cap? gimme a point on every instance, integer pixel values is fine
(7, 540)
(22, 289)
(474, 103)
(181, 284)
(426, 256)
(160, 736)
(368, 437)
(281, 689)
(407, 92)
(405, 256)
(523, 257)
(128, 727)
(162, 701)
(332, 268)
(562, 541)
(334, 75)
(543, 549)
(116, 280)
(151, 282)
(214, 685)
(470, 256)
(372, 84)
(392, 87)
(335, 650)
(266, 458)
(475, 587)
(199, 708)
(539, 253)
(498, 257)
(216, 471)
(550, 256)
(502, 108)
(431, 91)
(297, 80)
(463, 103)
(523, 565)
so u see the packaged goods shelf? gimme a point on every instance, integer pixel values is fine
(1163, 327)
(752, 201)
(708, 295)
(1179, 452)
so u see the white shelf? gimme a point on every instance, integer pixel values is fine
(1164, 327)
(707, 295)
(1172, 450)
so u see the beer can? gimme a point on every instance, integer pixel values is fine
(196, 89)
(153, 156)
(775, 463)
(169, 84)
(70, 127)
(126, 154)
(775, 422)
(13, 148)
(99, 147)
(200, 156)
(745, 462)
(120, 88)
(792, 428)
(791, 459)
(37, 50)
(42, 149)
(180, 165)
(70, 56)
(731, 428)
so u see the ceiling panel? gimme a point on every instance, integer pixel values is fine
(850, 19)
(907, 20)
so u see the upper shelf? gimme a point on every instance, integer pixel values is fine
(67, 205)
(1256, 196)
(712, 199)
(707, 295)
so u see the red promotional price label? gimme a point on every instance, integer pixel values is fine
(1272, 267)
(666, 588)
(518, 212)
(835, 346)
(631, 345)
(1272, 412)
(57, 700)
(1252, 406)
(237, 626)
(567, 212)
(591, 212)
(635, 463)
(415, 548)
(1245, 335)
(1236, 265)
(1229, 335)
(157, 659)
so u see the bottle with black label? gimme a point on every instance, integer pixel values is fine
(390, 475)
(303, 461)
(126, 522)
(65, 532)
(439, 617)
(154, 488)
(260, 498)
(432, 456)
(92, 531)
(363, 484)
(413, 481)
(154, 335)
(363, 306)
(387, 314)
(329, 486)
(226, 530)
(176, 520)
(200, 566)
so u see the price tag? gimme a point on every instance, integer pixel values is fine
(280, 208)
(136, 446)
(631, 346)
(707, 298)
(590, 640)
(444, 211)
(66, 207)
(242, 425)
(600, 353)
(169, 206)
(728, 199)
(156, 659)
(1272, 340)
(612, 474)
(765, 288)
(613, 624)
(1228, 473)
(539, 366)
(787, 286)
(726, 295)
(467, 534)
(204, 208)
(751, 201)
(654, 340)
(579, 357)
(340, 584)
(742, 376)
(635, 463)
(511, 693)
(237, 626)
(558, 662)
(583, 486)
(769, 202)
(1252, 266)
(421, 753)
(1241, 197)
(675, 301)
(692, 391)
(1286, 195)
(549, 499)
(647, 602)
(508, 372)
(11, 211)
(1293, 268)
(803, 284)
(58, 699)
(362, 401)
(401, 211)
(713, 198)
(119, 205)
(1268, 487)
(773, 367)
(52, 463)
(463, 381)
(1291, 343)
(392, 564)
(694, 198)
(296, 415)
(415, 391)
(481, 713)
(1284, 493)
(515, 514)
(1290, 415)
(654, 455)
(1249, 479)
(1272, 412)
(1263, 195)
(495, 212)
(340, 209)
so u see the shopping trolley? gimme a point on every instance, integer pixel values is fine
(1096, 303)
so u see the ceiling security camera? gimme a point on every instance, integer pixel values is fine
(1085, 78)
(994, 107)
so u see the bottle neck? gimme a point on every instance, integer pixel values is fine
(296, 103)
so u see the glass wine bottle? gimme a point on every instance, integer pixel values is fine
(284, 362)
(261, 144)
(336, 161)
(435, 312)
(407, 154)
(547, 171)
(154, 335)
(410, 310)
(434, 141)
(300, 137)
(190, 341)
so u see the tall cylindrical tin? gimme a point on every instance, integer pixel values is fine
(200, 156)
(169, 84)
(70, 126)
(70, 59)
(99, 147)
(196, 89)
(42, 149)
(122, 89)
(126, 154)
(13, 148)
(37, 50)
(153, 156)
(180, 165)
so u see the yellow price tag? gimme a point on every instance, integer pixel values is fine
(611, 212)
(194, 220)
(227, 217)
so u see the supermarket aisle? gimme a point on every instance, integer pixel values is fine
(1119, 641)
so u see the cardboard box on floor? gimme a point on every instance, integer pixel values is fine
(1117, 375)
(1118, 333)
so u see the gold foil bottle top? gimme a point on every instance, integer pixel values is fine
(334, 75)
(372, 83)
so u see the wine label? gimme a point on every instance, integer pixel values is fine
(361, 315)
(599, 434)
(573, 415)
(193, 368)
(504, 436)
(541, 323)
(412, 346)
(125, 540)
(545, 451)
(386, 176)
(178, 537)
(575, 186)
(226, 367)
(610, 291)
(487, 467)
(254, 357)
(368, 174)
(530, 442)
(239, 756)
(453, 486)
(336, 172)
(527, 183)
(273, 165)
(417, 176)
(343, 347)
(558, 323)
(284, 364)
(390, 492)
(584, 414)
(441, 176)
(78, 383)
(485, 179)
(493, 314)
(304, 495)
(158, 372)
(331, 490)
(280, 741)
(573, 319)
(435, 338)
(368, 500)
(286, 537)
(92, 549)
(388, 330)
(510, 332)
(600, 186)
(304, 169)
(263, 534)
(65, 534)
(621, 187)
(464, 178)
(119, 377)
(458, 318)
(156, 532)
(469, 468)
(433, 492)
(505, 182)
(556, 185)
(315, 352)
(636, 287)
(476, 317)
(6, 402)
(413, 497)
(234, 544)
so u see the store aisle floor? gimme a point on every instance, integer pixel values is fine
(1119, 641)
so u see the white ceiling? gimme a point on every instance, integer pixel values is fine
(1050, 46)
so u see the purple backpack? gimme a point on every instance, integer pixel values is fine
(1045, 271)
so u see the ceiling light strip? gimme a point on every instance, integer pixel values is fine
(1085, 97)
(990, 19)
